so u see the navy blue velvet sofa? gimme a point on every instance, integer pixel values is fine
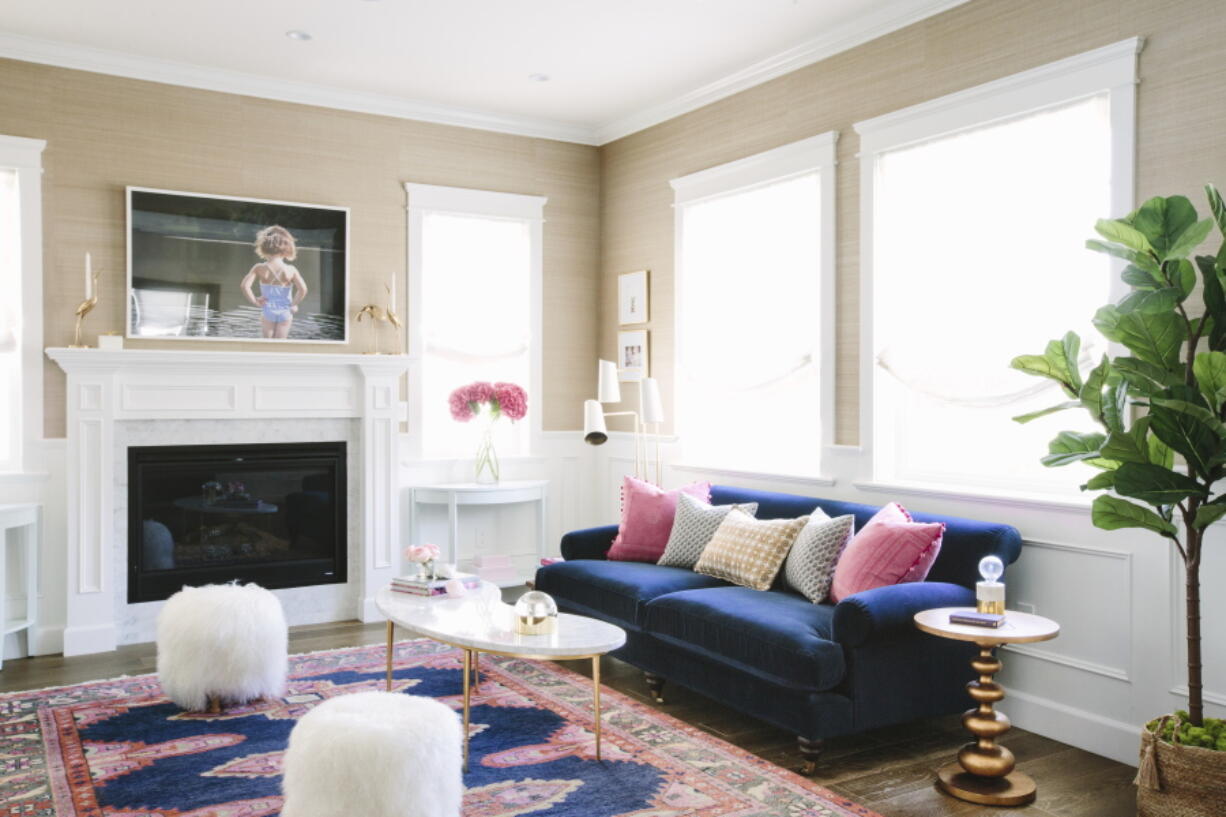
(817, 670)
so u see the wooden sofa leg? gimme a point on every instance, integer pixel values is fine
(214, 705)
(656, 684)
(810, 751)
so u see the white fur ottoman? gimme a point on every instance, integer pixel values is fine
(221, 642)
(377, 754)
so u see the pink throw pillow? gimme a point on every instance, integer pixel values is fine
(647, 519)
(890, 549)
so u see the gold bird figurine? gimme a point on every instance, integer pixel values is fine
(83, 309)
(392, 317)
(376, 315)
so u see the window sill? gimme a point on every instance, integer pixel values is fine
(1012, 498)
(810, 479)
(23, 477)
(518, 459)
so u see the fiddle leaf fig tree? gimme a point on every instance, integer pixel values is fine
(1175, 370)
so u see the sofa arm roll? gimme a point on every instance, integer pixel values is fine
(882, 611)
(590, 543)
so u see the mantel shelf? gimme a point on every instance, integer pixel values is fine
(73, 360)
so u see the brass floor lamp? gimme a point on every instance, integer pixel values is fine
(650, 412)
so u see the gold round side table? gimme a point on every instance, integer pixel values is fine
(984, 771)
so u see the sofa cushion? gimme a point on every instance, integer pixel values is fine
(775, 635)
(809, 568)
(749, 551)
(647, 519)
(615, 591)
(693, 527)
(890, 549)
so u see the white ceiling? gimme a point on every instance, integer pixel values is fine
(615, 66)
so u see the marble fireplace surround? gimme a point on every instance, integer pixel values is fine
(149, 397)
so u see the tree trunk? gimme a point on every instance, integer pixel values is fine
(1192, 575)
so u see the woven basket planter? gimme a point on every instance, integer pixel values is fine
(1174, 780)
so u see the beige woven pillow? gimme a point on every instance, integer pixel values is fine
(748, 551)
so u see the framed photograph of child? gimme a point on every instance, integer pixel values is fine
(632, 355)
(204, 267)
(632, 304)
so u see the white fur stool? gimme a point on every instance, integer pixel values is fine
(377, 754)
(221, 642)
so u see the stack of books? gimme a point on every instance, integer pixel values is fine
(432, 587)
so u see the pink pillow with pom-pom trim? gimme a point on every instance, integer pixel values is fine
(647, 519)
(890, 549)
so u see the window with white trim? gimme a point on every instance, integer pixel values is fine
(755, 268)
(21, 306)
(475, 288)
(976, 208)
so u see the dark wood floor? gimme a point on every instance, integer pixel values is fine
(888, 770)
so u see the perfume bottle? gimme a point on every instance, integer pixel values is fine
(990, 593)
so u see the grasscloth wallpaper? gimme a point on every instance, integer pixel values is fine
(1180, 143)
(104, 133)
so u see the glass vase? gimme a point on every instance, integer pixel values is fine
(487, 457)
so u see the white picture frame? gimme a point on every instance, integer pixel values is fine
(632, 355)
(632, 298)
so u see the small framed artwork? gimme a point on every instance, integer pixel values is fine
(632, 355)
(203, 267)
(632, 298)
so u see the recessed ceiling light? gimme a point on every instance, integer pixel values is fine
(300, 36)
(539, 77)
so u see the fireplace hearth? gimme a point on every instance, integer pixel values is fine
(273, 514)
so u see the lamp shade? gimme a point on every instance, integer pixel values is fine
(595, 432)
(607, 389)
(653, 406)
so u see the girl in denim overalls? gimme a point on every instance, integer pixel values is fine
(281, 286)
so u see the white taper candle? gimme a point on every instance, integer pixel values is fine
(88, 277)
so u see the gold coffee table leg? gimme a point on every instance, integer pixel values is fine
(468, 662)
(391, 648)
(596, 699)
(984, 771)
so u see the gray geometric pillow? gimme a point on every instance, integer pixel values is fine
(693, 527)
(810, 565)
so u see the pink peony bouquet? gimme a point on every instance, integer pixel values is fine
(421, 554)
(502, 398)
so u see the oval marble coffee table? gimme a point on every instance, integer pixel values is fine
(984, 770)
(479, 622)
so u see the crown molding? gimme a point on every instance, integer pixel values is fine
(847, 36)
(188, 75)
(169, 72)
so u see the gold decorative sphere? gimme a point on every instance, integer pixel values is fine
(536, 613)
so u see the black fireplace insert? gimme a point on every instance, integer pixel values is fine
(273, 514)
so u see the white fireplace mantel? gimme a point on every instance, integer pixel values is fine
(106, 387)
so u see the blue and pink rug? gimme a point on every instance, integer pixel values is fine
(118, 748)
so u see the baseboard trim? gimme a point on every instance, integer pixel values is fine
(87, 640)
(1095, 733)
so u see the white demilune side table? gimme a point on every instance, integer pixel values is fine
(459, 494)
(21, 528)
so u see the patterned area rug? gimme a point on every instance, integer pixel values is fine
(118, 748)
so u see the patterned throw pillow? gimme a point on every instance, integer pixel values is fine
(748, 551)
(890, 549)
(809, 569)
(647, 519)
(693, 526)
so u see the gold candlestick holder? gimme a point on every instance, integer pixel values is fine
(83, 309)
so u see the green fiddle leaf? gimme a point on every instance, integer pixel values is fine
(1163, 220)
(1215, 300)
(1216, 205)
(1187, 431)
(1210, 371)
(1122, 233)
(1107, 321)
(1155, 484)
(1151, 301)
(1181, 273)
(1139, 259)
(1073, 446)
(1134, 276)
(1129, 446)
(1091, 393)
(1144, 377)
(1153, 338)
(1188, 402)
(1070, 350)
(1189, 240)
(1113, 513)
(1206, 515)
(1100, 481)
(1034, 415)
(1160, 453)
(1115, 403)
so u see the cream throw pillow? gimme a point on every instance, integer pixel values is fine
(748, 551)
